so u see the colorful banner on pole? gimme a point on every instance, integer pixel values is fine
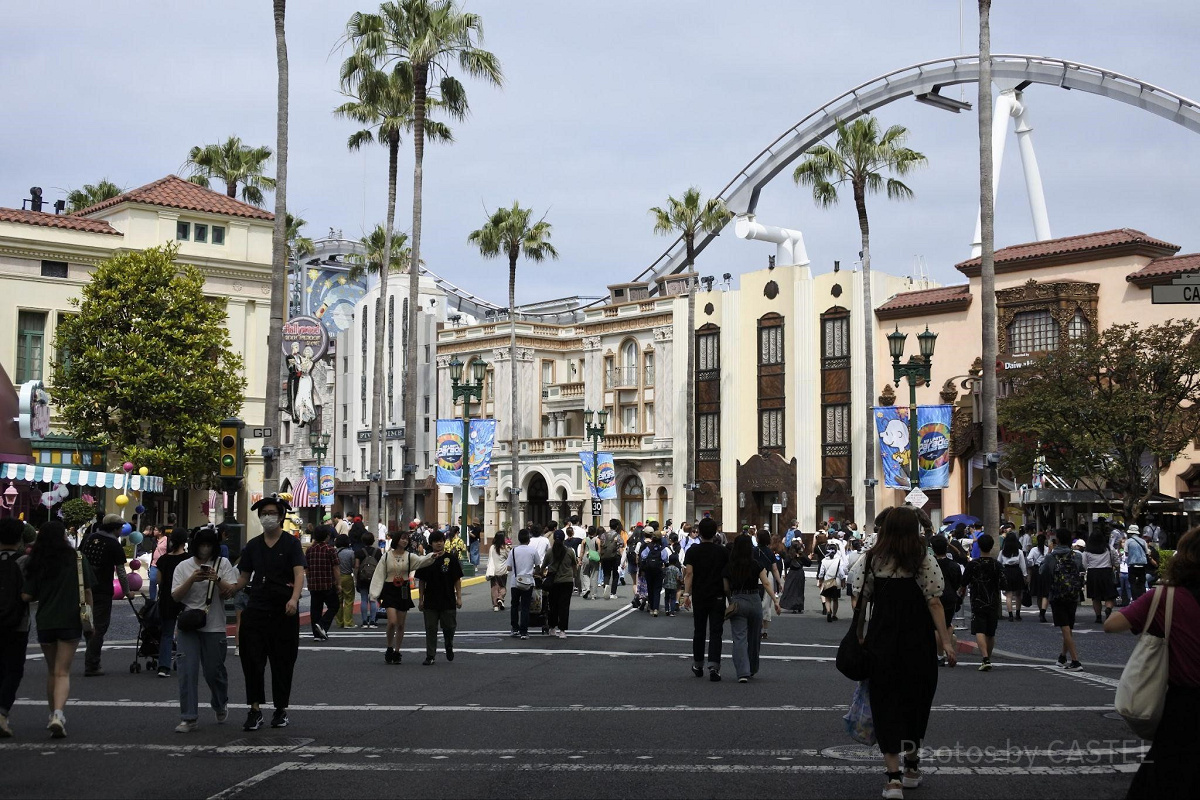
(449, 452)
(310, 488)
(327, 484)
(933, 442)
(603, 487)
(483, 441)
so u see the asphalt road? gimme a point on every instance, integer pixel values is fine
(611, 711)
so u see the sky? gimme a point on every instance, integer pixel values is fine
(606, 109)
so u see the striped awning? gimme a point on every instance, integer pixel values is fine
(80, 477)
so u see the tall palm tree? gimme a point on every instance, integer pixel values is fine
(859, 157)
(688, 218)
(430, 37)
(376, 250)
(297, 246)
(987, 266)
(91, 194)
(509, 233)
(382, 101)
(236, 163)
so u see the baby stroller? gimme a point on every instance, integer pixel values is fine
(538, 603)
(149, 638)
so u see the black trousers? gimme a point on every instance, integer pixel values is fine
(269, 638)
(1137, 580)
(708, 619)
(654, 581)
(330, 600)
(12, 666)
(518, 612)
(610, 574)
(101, 615)
(560, 605)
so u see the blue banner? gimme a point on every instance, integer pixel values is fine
(449, 452)
(605, 488)
(327, 485)
(483, 441)
(933, 442)
(310, 482)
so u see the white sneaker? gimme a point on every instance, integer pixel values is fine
(554, 632)
(57, 725)
(911, 779)
(237, 650)
(561, 634)
(5, 730)
(893, 790)
(187, 726)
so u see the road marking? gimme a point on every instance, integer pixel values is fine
(1089, 677)
(609, 619)
(253, 780)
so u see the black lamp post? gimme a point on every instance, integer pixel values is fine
(595, 432)
(318, 443)
(917, 369)
(472, 388)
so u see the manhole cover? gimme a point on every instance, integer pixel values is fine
(249, 747)
(853, 752)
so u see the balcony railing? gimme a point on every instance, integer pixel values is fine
(563, 391)
(623, 441)
(621, 378)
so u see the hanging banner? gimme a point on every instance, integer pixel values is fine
(933, 441)
(483, 441)
(310, 482)
(605, 486)
(449, 452)
(327, 484)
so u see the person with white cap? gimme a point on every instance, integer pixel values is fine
(1137, 556)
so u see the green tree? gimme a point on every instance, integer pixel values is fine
(149, 373)
(425, 39)
(91, 194)
(298, 246)
(688, 218)
(235, 164)
(987, 268)
(375, 250)
(509, 233)
(1107, 412)
(859, 157)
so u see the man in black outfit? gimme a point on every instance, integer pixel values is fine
(441, 597)
(704, 593)
(273, 567)
(105, 555)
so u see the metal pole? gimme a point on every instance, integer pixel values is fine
(466, 470)
(595, 480)
(913, 438)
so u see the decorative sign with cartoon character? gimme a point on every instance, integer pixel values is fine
(933, 442)
(305, 343)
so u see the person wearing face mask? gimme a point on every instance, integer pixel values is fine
(272, 567)
(199, 583)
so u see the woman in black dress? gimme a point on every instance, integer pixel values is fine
(904, 584)
(390, 586)
(793, 587)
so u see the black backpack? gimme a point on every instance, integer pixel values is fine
(653, 561)
(12, 579)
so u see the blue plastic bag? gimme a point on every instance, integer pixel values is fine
(860, 725)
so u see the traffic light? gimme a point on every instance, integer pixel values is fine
(230, 442)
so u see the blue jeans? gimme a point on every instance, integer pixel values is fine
(1126, 589)
(519, 613)
(153, 578)
(746, 626)
(672, 602)
(474, 553)
(201, 650)
(367, 606)
(167, 644)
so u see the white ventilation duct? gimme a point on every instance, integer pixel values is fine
(789, 249)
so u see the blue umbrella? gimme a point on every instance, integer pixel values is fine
(966, 519)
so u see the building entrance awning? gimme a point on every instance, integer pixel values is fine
(81, 477)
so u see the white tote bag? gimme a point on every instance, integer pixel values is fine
(1142, 692)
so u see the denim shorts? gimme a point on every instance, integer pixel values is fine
(240, 600)
(52, 635)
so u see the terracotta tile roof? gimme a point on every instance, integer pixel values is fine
(174, 192)
(1069, 248)
(56, 221)
(926, 301)
(1161, 270)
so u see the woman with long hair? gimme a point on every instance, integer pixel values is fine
(793, 587)
(743, 577)
(56, 575)
(1101, 563)
(903, 584)
(1016, 574)
(390, 586)
(770, 562)
(559, 570)
(1168, 769)
(497, 570)
(1037, 585)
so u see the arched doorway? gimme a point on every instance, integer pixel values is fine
(631, 501)
(537, 506)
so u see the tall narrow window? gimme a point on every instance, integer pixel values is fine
(708, 352)
(837, 424)
(391, 468)
(708, 431)
(836, 337)
(770, 426)
(362, 460)
(648, 369)
(31, 337)
(770, 345)
(1078, 327)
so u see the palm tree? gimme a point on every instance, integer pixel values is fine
(376, 250)
(987, 266)
(688, 218)
(91, 194)
(859, 157)
(382, 101)
(297, 246)
(235, 163)
(429, 37)
(508, 233)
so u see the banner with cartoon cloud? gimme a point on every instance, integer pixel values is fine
(933, 442)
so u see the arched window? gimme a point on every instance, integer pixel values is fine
(1031, 331)
(631, 501)
(1078, 327)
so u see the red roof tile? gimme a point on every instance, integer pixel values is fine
(1064, 250)
(928, 301)
(174, 192)
(1161, 270)
(56, 221)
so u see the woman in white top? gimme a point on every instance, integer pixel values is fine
(1100, 563)
(497, 570)
(831, 576)
(390, 586)
(1016, 574)
(201, 582)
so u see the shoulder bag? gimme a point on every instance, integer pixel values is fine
(85, 609)
(193, 619)
(1142, 692)
(853, 660)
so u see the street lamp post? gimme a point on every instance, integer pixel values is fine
(595, 432)
(318, 445)
(466, 390)
(917, 369)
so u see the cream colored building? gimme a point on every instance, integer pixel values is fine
(46, 259)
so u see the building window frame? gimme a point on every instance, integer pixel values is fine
(31, 345)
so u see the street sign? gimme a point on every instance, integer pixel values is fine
(916, 498)
(260, 433)
(777, 508)
(1183, 290)
(597, 508)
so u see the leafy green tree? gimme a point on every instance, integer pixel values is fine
(859, 157)
(688, 218)
(91, 194)
(1108, 412)
(149, 373)
(77, 511)
(371, 260)
(509, 233)
(423, 39)
(235, 164)
(298, 246)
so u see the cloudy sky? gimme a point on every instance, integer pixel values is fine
(607, 108)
